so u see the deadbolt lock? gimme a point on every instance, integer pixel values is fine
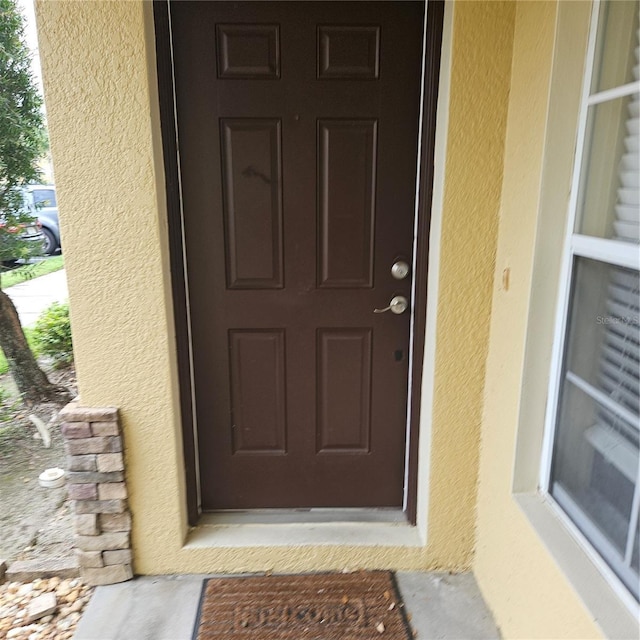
(400, 269)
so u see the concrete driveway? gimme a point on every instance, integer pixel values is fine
(34, 296)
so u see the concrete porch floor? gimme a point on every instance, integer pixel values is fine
(164, 608)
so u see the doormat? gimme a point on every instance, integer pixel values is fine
(364, 605)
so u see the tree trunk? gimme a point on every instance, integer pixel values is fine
(33, 384)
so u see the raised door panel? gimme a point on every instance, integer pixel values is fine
(248, 51)
(252, 183)
(258, 397)
(348, 52)
(347, 151)
(344, 390)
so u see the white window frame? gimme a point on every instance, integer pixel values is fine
(612, 252)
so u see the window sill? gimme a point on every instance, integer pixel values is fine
(615, 613)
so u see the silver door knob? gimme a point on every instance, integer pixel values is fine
(398, 305)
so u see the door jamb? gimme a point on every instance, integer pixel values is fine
(424, 196)
(179, 280)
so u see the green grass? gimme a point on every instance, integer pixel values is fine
(29, 271)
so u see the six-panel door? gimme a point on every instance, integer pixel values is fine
(297, 134)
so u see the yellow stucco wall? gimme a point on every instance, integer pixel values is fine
(528, 594)
(99, 90)
(98, 67)
(479, 86)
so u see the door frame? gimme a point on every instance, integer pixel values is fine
(434, 15)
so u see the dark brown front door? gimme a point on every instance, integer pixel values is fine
(298, 145)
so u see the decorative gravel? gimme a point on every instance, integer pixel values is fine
(72, 596)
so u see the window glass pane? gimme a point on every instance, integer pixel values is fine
(45, 197)
(602, 340)
(616, 61)
(635, 561)
(595, 460)
(608, 196)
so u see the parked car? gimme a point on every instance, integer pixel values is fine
(41, 200)
(31, 232)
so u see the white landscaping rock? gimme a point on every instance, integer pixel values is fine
(17, 600)
(41, 606)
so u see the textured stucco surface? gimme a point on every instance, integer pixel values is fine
(103, 114)
(480, 75)
(96, 70)
(528, 594)
(100, 89)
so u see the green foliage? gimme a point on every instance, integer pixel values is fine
(23, 137)
(52, 334)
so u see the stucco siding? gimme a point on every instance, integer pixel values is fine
(102, 116)
(529, 595)
(479, 88)
(101, 96)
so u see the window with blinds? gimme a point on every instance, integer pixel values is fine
(594, 474)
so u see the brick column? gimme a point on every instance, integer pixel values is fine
(97, 488)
